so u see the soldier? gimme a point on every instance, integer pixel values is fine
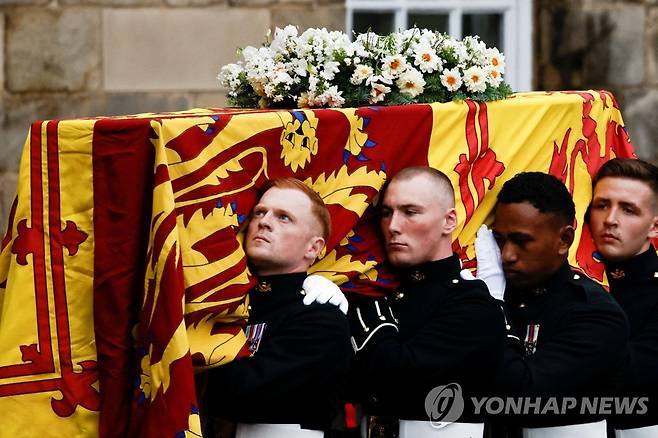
(290, 387)
(448, 332)
(623, 218)
(571, 334)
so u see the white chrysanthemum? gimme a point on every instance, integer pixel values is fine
(475, 79)
(494, 78)
(361, 73)
(426, 59)
(394, 65)
(378, 92)
(411, 82)
(451, 79)
(496, 59)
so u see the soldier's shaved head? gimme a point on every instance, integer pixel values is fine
(439, 181)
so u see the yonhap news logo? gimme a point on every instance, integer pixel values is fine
(444, 404)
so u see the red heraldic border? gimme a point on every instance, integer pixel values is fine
(76, 387)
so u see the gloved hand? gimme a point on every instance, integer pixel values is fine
(490, 263)
(319, 289)
(467, 275)
(370, 316)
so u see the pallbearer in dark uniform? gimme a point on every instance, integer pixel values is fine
(291, 385)
(623, 219)
(437, 330)
(572, 335)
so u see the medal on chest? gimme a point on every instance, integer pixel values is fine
(254, 333)
(530, 341)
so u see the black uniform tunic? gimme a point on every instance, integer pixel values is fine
(634, 283)
(450, 331)
(297, 373)
(573, 338)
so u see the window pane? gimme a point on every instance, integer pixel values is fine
(435, 22)
(378, 22)
(488, 26)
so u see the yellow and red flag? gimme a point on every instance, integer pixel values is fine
(122, 269)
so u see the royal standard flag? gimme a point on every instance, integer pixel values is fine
(122, 271)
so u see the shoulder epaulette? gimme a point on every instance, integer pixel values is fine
(586, 283)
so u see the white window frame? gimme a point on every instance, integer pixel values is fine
(517, 26)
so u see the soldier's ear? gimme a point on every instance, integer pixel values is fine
(450, 221)
(567, 234)
(314, 248)
(653, 231)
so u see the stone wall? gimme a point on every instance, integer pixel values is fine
(79, 58)
(604, 44)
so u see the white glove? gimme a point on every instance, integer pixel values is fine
(467, 275)
(490, 263)
(318, 289)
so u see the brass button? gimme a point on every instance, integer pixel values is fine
(418, 276)
(576, 277)
(398, 296)
(617, 274)
(264, 286)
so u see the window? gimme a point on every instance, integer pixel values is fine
(506, 24)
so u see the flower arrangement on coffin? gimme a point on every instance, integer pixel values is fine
(322, 68)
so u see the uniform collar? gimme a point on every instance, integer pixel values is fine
(555, 282)
(273, 291)
(445, 269)
(643, 266)
(558, 279)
